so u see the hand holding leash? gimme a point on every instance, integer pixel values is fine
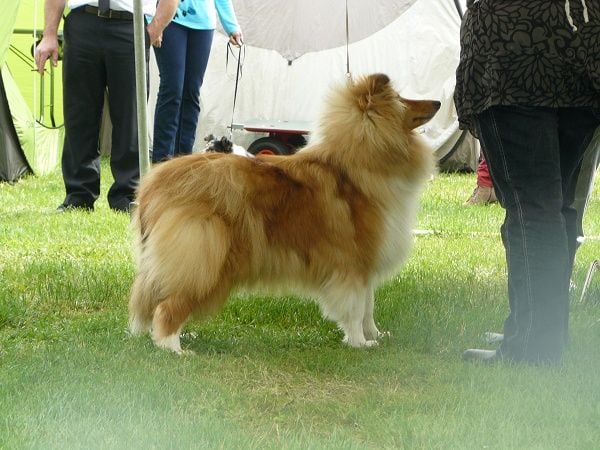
(46, 49)
(236, 38)
(155, 32)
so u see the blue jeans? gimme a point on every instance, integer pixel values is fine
(534, 155)
(182, 62)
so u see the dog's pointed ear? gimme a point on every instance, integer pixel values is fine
(372, 85)
(378, 82)
(209, 138)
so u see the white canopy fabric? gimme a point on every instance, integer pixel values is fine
(418, 49)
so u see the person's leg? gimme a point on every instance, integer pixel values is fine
(483, 193)
(198, 52)
(84, 81)
(522, 149)
(171, 61)
(576, 130)
(585, 179)
(124, 156)
(483, 174)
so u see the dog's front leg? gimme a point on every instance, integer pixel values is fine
(346, 305)
(368, 323)
(354, 336)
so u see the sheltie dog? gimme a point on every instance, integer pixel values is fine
(331, 221)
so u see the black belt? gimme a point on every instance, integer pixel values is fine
(110, 14)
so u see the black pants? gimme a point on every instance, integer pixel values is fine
(99, 55)
(534, 155)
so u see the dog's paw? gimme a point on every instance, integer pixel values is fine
(171, 343)
(359, 343)
(372, 332)
(138, 327)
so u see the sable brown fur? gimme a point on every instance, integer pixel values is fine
(330, 221)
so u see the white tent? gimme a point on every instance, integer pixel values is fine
(417, 45)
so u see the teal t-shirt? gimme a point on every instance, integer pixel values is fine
(202, 15)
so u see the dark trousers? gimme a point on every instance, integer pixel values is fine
(534, 155)
(182, 61)
(99, 55)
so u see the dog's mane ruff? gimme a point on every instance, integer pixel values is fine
(370, 110)
(390, 171)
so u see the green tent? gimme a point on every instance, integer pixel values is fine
(26, 146)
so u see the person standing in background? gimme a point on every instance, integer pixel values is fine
(99, 55)
(484, 193)
(528, 86)
(182, 61)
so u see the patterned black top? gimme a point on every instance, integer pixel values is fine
(528, 52)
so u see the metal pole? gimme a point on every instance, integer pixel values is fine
(459, 8)
(140, 84)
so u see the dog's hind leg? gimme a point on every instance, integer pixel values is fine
(190, 252)
(169, 317)
(142, 303)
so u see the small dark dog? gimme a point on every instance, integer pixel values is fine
(223, 145)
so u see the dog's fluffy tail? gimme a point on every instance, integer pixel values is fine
(168, 270)
(145, 295)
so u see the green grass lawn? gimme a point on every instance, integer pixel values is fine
(270, 372)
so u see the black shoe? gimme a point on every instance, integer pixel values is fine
(482, 356)
(120, 208)
(122, 204)
(74, 207)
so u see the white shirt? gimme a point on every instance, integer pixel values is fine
(149, 6)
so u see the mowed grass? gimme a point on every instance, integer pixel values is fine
(270, 372)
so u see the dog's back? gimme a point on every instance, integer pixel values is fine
(284, 219)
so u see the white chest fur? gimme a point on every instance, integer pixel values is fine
(399, 221)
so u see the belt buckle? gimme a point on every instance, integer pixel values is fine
(105, 15)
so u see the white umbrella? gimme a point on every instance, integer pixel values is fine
(295, 27)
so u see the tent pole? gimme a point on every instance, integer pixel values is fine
(140, 86)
